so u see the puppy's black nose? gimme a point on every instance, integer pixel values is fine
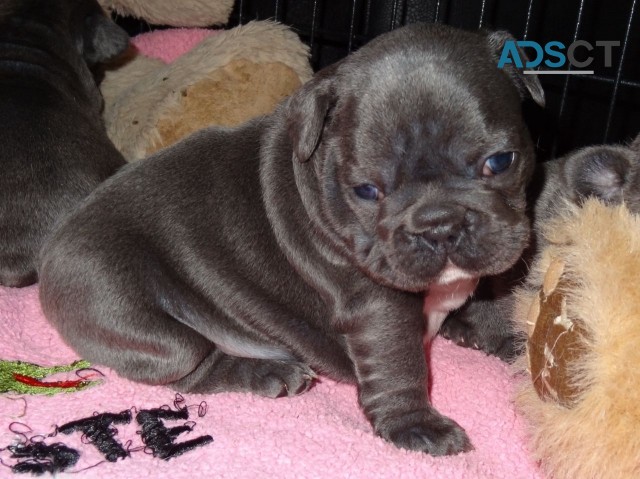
(438, 227)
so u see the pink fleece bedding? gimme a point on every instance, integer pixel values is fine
(167, 45)
(321, 434)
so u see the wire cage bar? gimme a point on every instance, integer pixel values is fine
(581, 109)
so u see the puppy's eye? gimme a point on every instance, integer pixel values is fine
(498, 163)
(367, 192)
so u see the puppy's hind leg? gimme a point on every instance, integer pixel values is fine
(221, 372)
(239, 361)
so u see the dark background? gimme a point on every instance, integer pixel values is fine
(581, 110)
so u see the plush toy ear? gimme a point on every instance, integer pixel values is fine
(527, 85)
(308, 108)
(102, 39)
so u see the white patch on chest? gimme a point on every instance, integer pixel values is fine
(448, 292)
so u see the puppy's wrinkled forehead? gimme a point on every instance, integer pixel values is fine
(459, 65)
(447, 101)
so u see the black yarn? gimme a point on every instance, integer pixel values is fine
(160, 439)
(41, 458)
(98, 431)
(38, 458)
(179, 401)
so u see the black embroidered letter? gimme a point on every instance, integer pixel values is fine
(97, 429)
(41, 458)
(160, 439)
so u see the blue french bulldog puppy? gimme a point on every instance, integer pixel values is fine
(301, 243)
(53, 146)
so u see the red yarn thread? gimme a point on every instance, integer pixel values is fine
(53, 384)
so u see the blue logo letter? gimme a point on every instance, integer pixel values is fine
(510, 50)
(556, 53)
(539, 53)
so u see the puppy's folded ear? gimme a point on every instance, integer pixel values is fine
(527, 85)
(307, 111)
(102, 39)
(600, 172)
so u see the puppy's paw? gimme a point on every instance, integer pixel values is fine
(428, 432)
(498, 342)
(485, 324)
(276, 379)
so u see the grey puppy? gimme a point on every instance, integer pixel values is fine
(608, 172)
(254, 258)
(53, 147)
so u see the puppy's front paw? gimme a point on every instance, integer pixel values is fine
(428, 432)
(498, 342)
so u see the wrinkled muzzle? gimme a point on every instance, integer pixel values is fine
(422, 239)
(426, 238)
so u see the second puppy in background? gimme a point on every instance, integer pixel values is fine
(608, 172)
(53, 146)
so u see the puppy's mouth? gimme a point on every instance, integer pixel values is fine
(415, 273)
(423, 267)
(407, 265)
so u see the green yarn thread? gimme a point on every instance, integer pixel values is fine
(9, 384)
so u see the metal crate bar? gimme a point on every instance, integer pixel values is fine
(623, 82)
(367, 17)
(486, 6)
(240, 11)
(396, 11)
(618, 80)
(352, 23)
(277, 13)
(527, 23)
(314, 24)
(610, 95)
(565, 88)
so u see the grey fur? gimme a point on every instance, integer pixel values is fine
(252, 240)
(608, 172)
(53, 147)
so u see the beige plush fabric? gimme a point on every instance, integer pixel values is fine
(119, 83)
(243, 90)
(191, 13)
(240, 72)
(596, 435)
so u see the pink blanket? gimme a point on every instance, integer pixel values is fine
(320, 434)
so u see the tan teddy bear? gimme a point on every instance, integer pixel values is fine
(177, 81)
(580, 310)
